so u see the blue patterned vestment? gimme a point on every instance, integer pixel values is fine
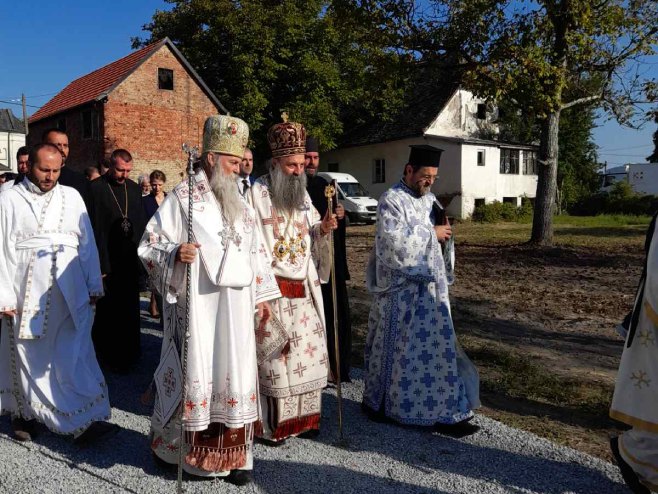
(413, 363)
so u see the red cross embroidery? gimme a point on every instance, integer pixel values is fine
(273, 377)
(325, 360)
(190, 405)
(259, 280)
(172, 447)
(300, 369)
(295, 339)
(150, 265)
(232, 402)
(253, 397)
(204, 403)
(274, 220)
(319, 330)
(290, 309)
(261, 334)
(304, 320)
(310, 350)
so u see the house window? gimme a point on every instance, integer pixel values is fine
(530, 163)
(89, 124)
(510, 200)
(509, 161)
(379, 171)
(61, 124)
(481, 155)
(166, 79)
(482, 111)
(333, 167)
(479, 202)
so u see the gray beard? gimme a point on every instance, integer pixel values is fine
(288, 191)
(225, 189)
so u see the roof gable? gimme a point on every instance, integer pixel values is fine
(10, 122)
(98, 84)
(424, 104)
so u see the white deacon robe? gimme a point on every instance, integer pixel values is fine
(635, 401)
(229, 277)
(48, 270)
(293, 360)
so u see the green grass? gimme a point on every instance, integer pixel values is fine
(504, 371)
(606, 231)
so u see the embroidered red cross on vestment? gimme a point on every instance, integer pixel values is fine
(274, 220)
(310, 350)
(261, 334)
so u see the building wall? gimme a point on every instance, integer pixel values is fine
(359, 162)
(82, 152)
(153, 123)
(486, 182)
(459, 118)
(9, 144)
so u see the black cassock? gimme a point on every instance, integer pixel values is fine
(315, 187)
(116, 330)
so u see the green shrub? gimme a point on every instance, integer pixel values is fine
(497, 211)
(621, 199)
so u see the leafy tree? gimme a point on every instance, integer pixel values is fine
(263, 57)
(653, 158)
(547, 56)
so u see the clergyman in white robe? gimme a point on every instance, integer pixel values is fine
(230, 276)
(49, 270)
(635, 400)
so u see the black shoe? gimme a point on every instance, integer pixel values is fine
(375, 415)
(23, 429)
(458, 430)
(240, 477)
(270, 443)
(310, 434)
(95, 432)
(627, 472)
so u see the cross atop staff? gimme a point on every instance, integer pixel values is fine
(192, 155)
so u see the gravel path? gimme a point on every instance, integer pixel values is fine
(377, 458)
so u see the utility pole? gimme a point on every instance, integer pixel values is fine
(24, 113)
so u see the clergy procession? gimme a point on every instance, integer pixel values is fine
(248, 277)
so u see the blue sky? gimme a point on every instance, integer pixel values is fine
(46, 45)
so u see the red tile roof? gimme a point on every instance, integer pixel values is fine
(95, 84)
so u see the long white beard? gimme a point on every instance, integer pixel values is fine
(288, 191)
(225, 189)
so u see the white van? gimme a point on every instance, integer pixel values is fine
(359, 206)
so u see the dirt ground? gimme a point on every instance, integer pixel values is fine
(538, 323)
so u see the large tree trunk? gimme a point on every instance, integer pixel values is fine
(542, 223)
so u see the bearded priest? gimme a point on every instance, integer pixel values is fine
(231, 280)
(293, 363)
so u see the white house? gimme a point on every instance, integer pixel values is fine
(473, 170)
(12, 137)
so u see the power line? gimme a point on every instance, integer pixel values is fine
(33, 96)
(612, 154)
(631, 147)
(17, 104)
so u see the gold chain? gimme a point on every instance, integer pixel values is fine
(125, 191)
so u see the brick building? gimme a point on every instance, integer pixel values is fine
(149, 102)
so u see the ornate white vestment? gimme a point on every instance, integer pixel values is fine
(49, 268)
(230, 276)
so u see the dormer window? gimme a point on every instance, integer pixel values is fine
(166, 79)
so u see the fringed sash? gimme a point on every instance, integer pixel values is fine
(291, 288)
(219, 448)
